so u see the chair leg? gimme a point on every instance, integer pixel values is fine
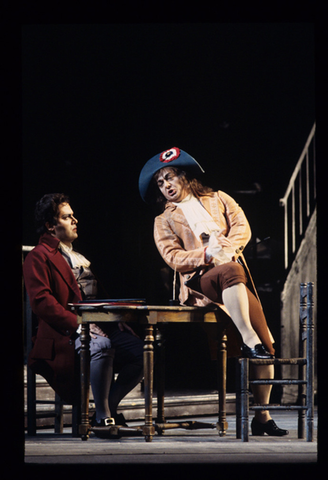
(244, 363)
(76, 415)
(31, 403)
(309, 365)
(59, 411)
(238, 400)
(31, 381)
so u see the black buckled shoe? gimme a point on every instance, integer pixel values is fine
(270, 428)
(104, 422)
(105, 429)
(258, 352)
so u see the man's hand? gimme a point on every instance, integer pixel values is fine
(215, 251)
(95, 330)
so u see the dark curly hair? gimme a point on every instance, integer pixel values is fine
(196, 187)
(46, 210)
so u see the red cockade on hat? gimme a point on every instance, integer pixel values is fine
(169, 155)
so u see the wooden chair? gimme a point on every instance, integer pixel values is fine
(305, 401)
(32, 401)
(32, 415)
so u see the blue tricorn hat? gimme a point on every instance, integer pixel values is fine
(174, 157)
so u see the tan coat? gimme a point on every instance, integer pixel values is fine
(185, 253)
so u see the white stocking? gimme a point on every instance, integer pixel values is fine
(236, 300)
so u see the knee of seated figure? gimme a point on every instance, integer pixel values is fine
(236, 268)
(233, 273)
(101, 347)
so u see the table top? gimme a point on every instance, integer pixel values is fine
(149, 314)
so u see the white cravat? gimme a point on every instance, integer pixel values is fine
(200, 221)
(76, 258)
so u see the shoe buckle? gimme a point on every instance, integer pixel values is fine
(109, 421)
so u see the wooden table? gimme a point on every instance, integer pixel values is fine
(150, 316)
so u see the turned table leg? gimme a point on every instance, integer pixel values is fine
(160, 343)
(222, 424)
(84, 428)
(148, 429)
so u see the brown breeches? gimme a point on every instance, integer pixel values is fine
(213, 282)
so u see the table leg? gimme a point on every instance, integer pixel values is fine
(148, 429)
(222, 424)
(160, 343)
(84, 428)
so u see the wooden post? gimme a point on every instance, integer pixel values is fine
(222, 381)
(244, 363)
(309, 363)
(301, 373)
(160, 377)
(148, 429)
(238, 399)
(85, 381)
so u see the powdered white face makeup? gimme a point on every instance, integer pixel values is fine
(172, 187)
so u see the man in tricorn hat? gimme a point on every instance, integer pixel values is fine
(201, 235)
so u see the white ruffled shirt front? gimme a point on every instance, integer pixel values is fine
(76, 259)
(200, 221)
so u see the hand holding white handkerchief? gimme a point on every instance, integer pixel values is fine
(215, 250)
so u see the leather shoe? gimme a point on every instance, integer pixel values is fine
(103, 429)
(270, 428)
(258, 352)
(120, 420)
(104, 422)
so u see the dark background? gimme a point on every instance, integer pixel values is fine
(100, 100)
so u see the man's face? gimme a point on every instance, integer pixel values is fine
(66, 228)
(172, 186)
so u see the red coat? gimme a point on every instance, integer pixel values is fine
(51, 285)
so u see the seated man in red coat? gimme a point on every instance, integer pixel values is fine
(56, 275)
